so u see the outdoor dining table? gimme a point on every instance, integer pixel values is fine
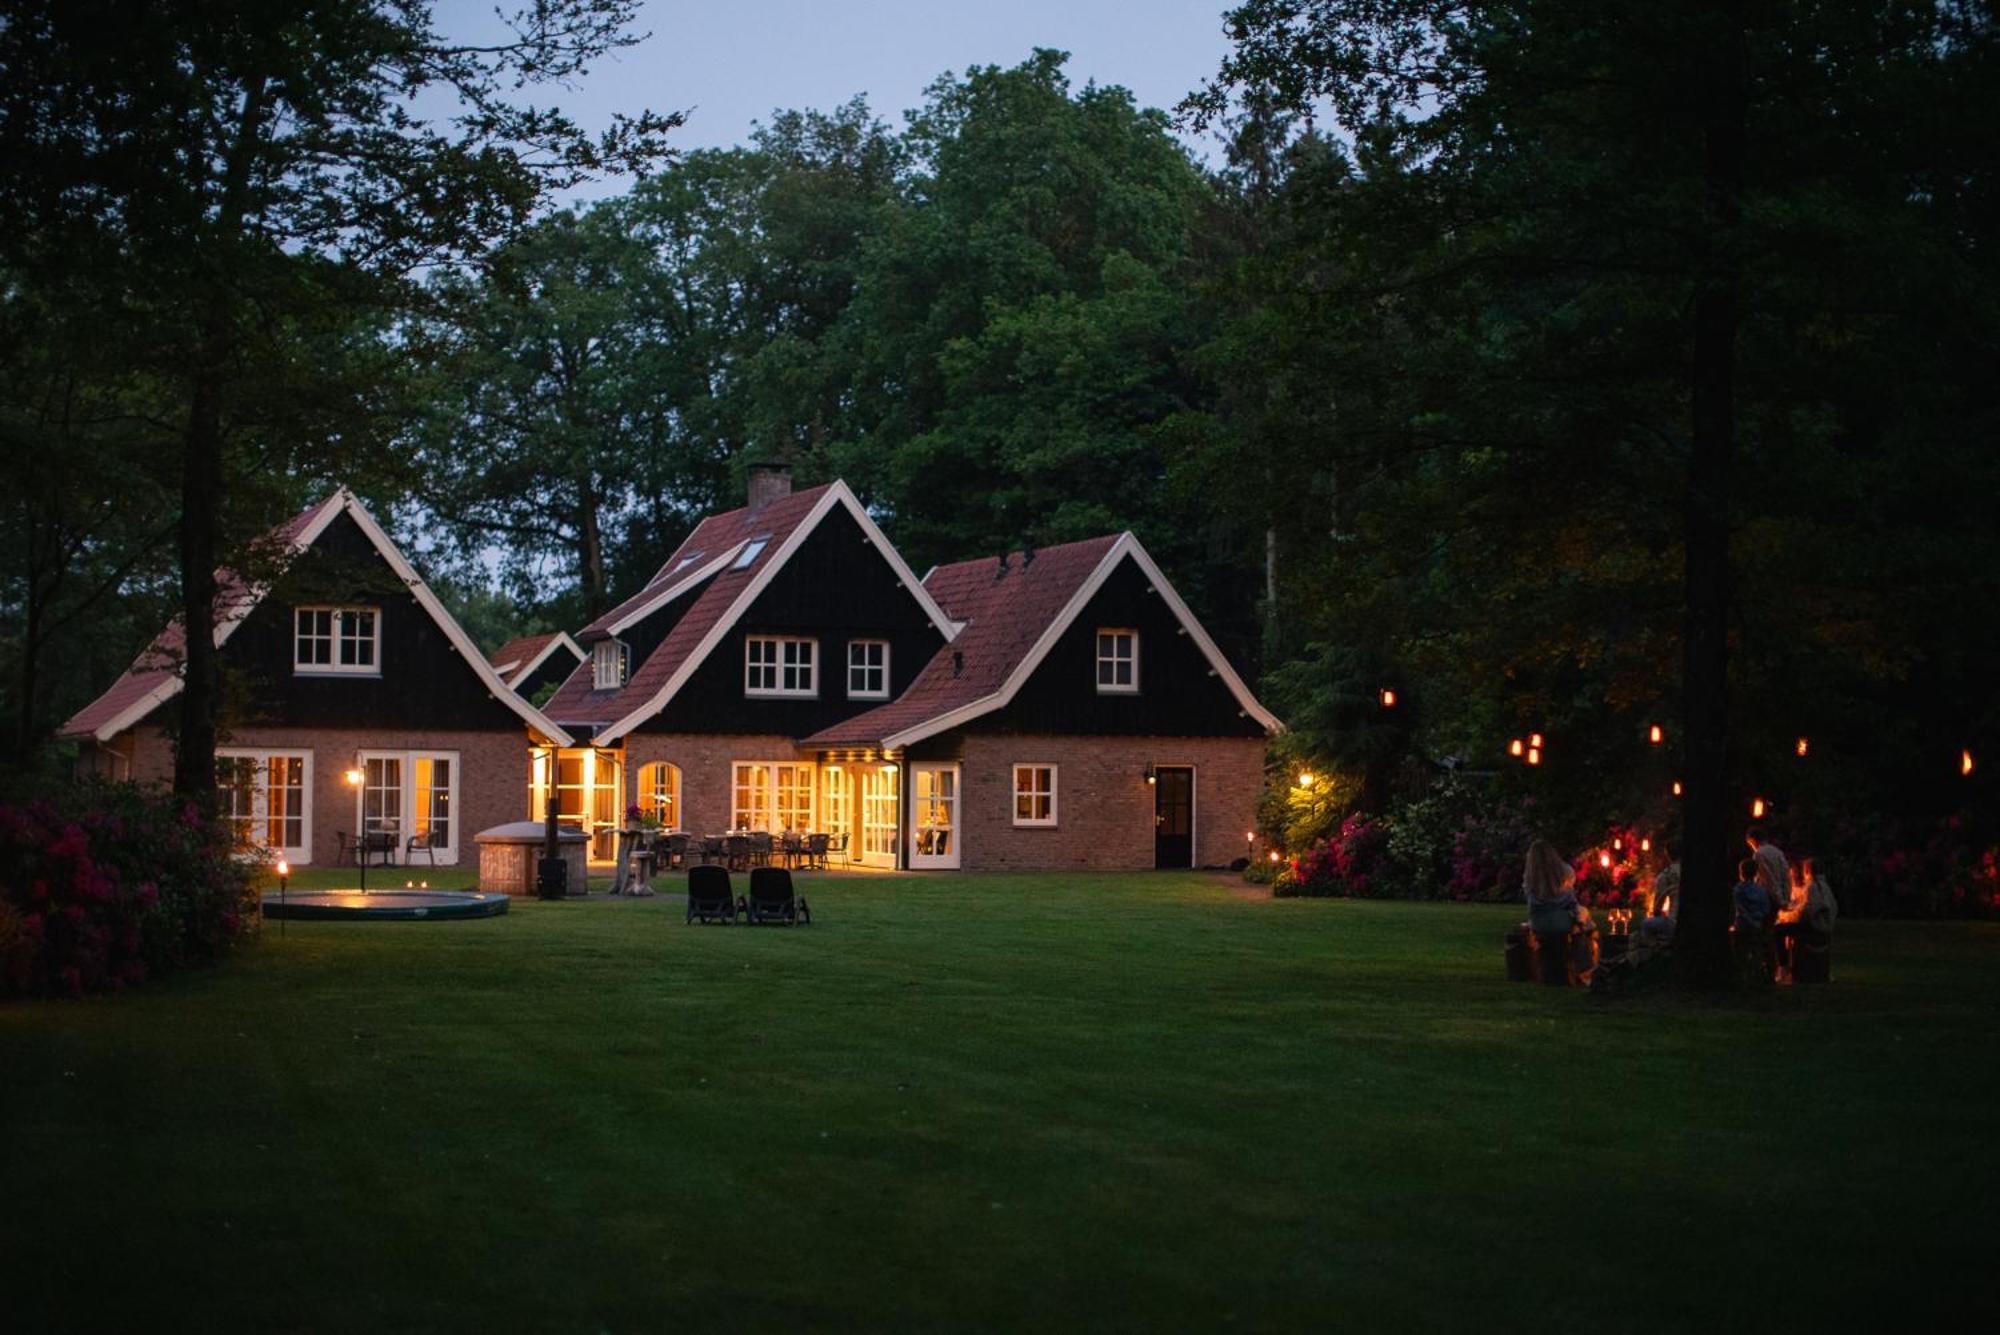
(636, 860)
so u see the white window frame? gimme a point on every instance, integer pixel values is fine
(445, 855)
(336, 637)
(1031, 792)
(751, 551)
(880, 692)
(1115, 658)
(755, 787)
(653, 797)
(940, 812)
(608, 671)
(782, 663)
(301, 854)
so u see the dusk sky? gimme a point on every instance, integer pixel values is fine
(732, 64)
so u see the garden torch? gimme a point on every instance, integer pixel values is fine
(284, 876)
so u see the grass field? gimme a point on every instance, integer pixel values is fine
(998, 1103)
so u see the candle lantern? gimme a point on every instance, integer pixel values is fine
(1677, 787)
(1514, 748)
(1534, 755)
(1802, 746)
(1757, 808)
(1965, 761)
(1654, 735)
(1388, 698)
(1535, 741)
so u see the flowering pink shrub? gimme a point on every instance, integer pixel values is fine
(1354, 862)
(109, 886)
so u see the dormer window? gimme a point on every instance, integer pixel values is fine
(331, 640)
(607, 665)
(1117, 662)
(751, 551)
(784, 665)
(868, 669)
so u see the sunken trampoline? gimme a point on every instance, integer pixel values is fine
(393, 905)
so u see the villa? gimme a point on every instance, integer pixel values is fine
(784, 670)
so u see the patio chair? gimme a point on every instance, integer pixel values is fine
(772, 901)
(838, 848)
(674, 849)
(736, 852)
(760, 847)
(816, 849)
(791, 848)
(379, 844)
(710, 897)
(711, 848)
(426, 843)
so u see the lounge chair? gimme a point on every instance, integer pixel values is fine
(771, 898)
(710, 898)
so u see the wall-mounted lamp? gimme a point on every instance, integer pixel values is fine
(1152, 775)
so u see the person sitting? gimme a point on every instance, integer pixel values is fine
(1753, 906)
(1774, 874)
(1663, 909)
(1553, 911)
(1806, 922)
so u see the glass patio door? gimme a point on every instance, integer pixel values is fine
(934, 815)
(881, 792)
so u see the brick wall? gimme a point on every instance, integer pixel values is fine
(707, 770)
(493, 773)
(1104, 807)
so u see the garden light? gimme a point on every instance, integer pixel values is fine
(1645, 845)
(1757, 808)
(1654, 735)
(1534, 755)
(1388, 698)
(1514, 748)
(1305, 779)
(1534, 741)
(1604, 859)
(1965, 762)
(284, 875)
(1677, 787)
(1274, 855)
(1802, 746)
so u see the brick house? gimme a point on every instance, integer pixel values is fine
(784, 669)
(353, 700)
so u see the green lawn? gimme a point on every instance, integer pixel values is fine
(1143, 1103)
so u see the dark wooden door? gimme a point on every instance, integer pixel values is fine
(1173, 816)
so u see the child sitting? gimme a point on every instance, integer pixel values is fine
(1753, 906)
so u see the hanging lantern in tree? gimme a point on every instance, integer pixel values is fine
(1756, 808)
(1388, 698)
(1654, 735)
(1514, 748)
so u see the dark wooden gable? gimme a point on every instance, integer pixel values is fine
(836, 587)
(1179, 696)
(555, 669)
(424, 683)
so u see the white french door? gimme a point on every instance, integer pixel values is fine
(880, 795)
(934, 815)
(267, 799)
(411, 795)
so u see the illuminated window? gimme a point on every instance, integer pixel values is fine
(1034, 794)
(608, 660)
(868, 669)
(772, 795)
(336, 640)
(660, 794)
(783, 665)
(264, 797)
(1117, 662)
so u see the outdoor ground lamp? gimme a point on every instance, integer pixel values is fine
(284, 876)
(354, 777)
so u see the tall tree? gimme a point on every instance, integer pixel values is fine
(236, 183)
(1584, 256)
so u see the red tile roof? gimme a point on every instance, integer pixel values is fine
(1003, 614)
(520, 652)
(160, 662)
(578, 703)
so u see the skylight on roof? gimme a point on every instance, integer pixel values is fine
(685, 562)
(751, 551)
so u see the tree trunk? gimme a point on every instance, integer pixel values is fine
(1701, 943)
(201, 470)
(201, 479)
(590, 547)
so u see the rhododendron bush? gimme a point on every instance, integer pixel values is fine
(110, 885)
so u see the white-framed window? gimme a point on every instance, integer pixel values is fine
(881, 797)
(1117, 661)
(608, 659)
(868, 669)
(780, 665)
(337, 639)
(267, 799)
(1034, 794)
(751, 551)
(774, 795)
(660, 793)
(934, 816)
(411, 797)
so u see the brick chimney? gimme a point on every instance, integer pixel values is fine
(769, 482)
